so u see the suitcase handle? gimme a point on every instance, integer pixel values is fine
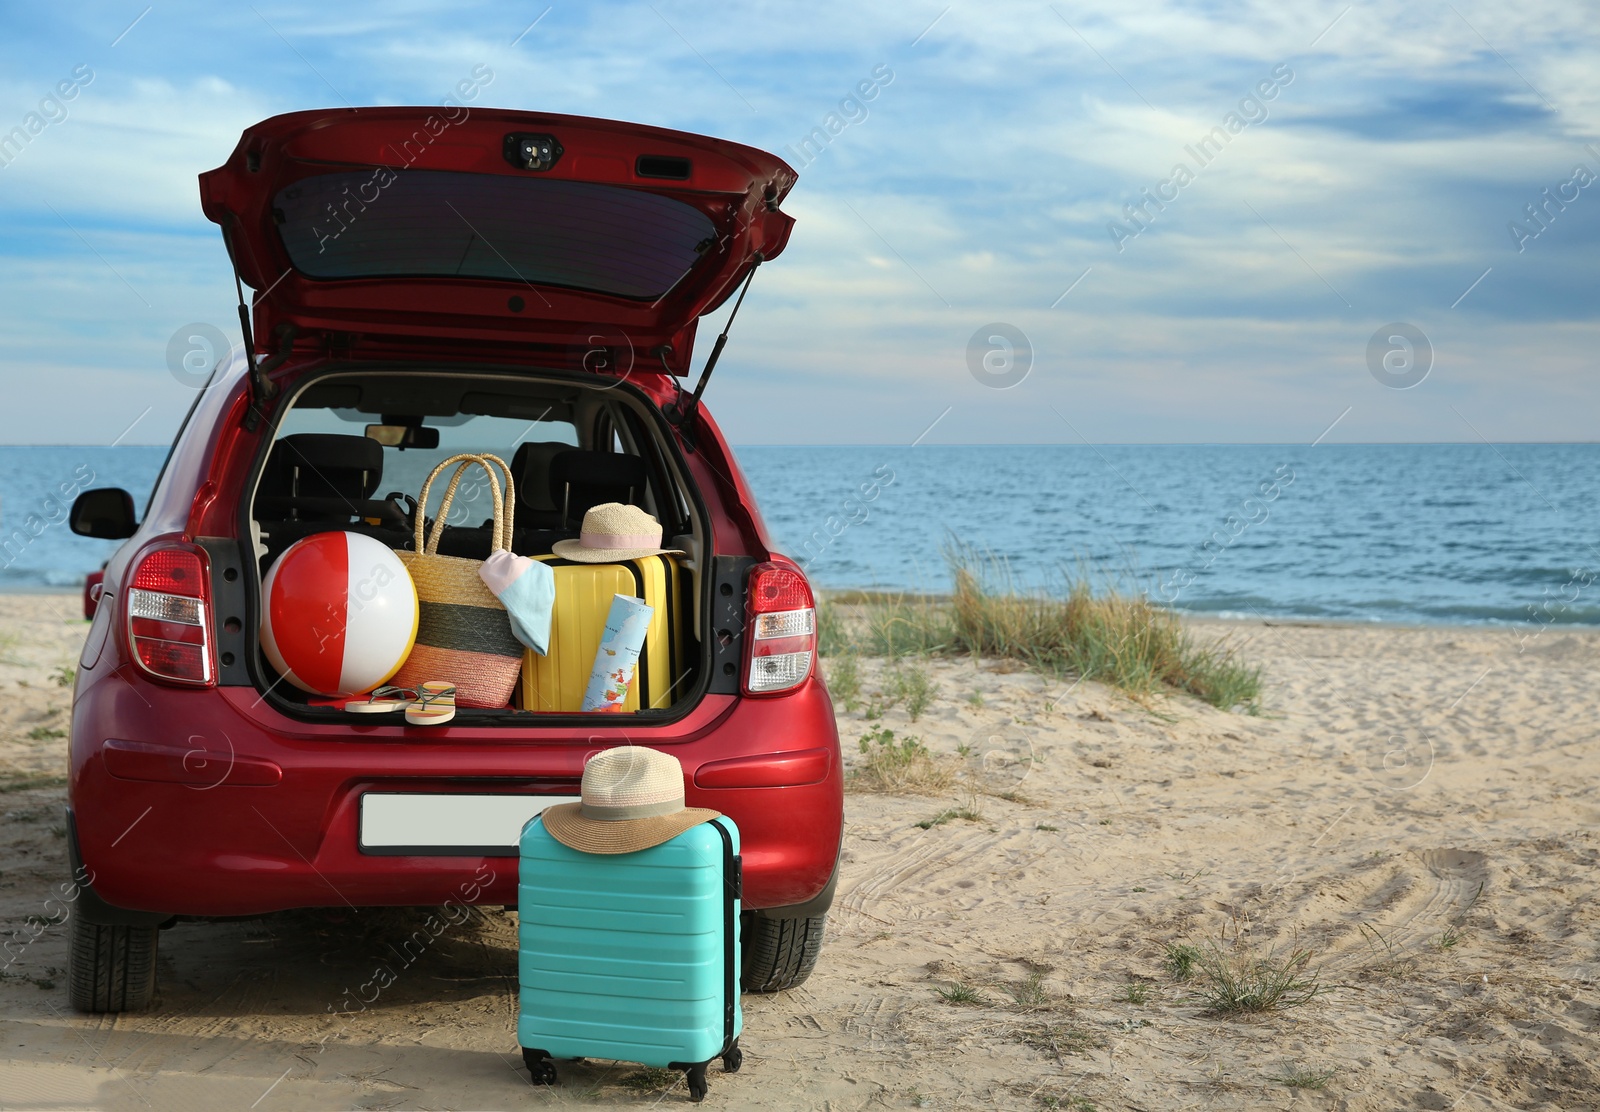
(733, 874)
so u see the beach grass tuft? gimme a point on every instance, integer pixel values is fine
(1067, 1103)
(903, 764)
(1057, 1037)
(943, 817)
(1391, 959)
(1181, 959)
(1303, 1077)
(1119, 638)
(959, 993)
(1031, 993)
(900, 628)
(913, 686)
(843, 675)
(832, 639)
(1092, 629)
(1236, 982)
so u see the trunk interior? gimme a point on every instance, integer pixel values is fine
(353, 447)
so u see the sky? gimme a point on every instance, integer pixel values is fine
(968, 264)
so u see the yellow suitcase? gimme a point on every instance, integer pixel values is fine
(556, 681)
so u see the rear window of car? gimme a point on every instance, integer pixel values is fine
(431, 223)
(405, 469)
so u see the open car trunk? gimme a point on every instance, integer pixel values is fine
(386, 228)
(354, 443)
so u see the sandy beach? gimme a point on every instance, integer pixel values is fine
(1414, 810)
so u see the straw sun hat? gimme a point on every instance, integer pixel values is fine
(632, 800)
(612, 532)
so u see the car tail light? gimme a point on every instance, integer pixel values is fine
(781, 643)
(169, 620)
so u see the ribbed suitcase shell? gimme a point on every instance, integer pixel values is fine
(557, 680)
(627, 956)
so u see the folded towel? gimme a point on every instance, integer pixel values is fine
(527, 589)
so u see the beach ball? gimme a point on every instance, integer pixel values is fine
(339, 613)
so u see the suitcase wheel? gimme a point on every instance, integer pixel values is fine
(696, 1076)
(540, 1067)
(732, 1060)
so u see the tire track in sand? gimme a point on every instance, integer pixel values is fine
(928, 853)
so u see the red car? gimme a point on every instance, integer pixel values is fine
(429, 281)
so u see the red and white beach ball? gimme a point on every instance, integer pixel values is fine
(339, 614)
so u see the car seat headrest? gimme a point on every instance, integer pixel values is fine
(314, 465)
(580, 480)
(531, 469)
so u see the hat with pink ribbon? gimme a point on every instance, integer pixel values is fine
(612, 532)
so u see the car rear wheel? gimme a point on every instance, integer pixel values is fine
(780, 953)
(111, 969)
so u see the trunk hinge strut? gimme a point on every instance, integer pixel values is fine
(262, 388)
(681, 413)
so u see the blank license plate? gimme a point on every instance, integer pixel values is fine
(412, 823)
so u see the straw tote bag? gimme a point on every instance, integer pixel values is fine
(463, 633)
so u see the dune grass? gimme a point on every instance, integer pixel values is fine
(967, 813)
(1236, 982)
(959, 993)
(1094, 630)
(912, 686)
(1181, 959)
(844, 678)
(1304, 1077)
(903, 765)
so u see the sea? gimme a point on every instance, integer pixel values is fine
(1505, 534)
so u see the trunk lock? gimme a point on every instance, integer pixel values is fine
(527, 151)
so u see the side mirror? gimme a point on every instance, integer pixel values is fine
(404, 436)
(105, 512)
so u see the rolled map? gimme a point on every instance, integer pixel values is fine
(617, 658)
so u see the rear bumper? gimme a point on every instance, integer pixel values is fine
(212, 804)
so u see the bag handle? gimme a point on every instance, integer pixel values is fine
(505, 523)
(421, 514)
(500, 535)
(449, 497)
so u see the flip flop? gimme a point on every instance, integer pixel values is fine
(435, 705)
(382, 700)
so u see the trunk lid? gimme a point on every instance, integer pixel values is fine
(387, 228)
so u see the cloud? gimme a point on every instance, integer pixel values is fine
(1447, 109)
(131, 150)
(981, 184)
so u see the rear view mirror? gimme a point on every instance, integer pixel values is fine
(105, 512)
(404, 436)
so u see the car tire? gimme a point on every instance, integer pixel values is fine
(780, 953)
(111, 969)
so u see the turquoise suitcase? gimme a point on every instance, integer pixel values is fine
(632, 956)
